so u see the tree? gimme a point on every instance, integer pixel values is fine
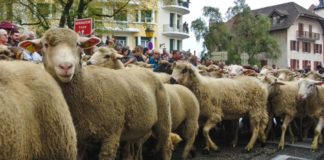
(243, 32)
(35, 12)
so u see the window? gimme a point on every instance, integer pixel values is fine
(171, 44)
(179, 45)
(171, 20)
(145, 41)
(318, 48)
(146, 16)
(121, 41)
(306, 64)
(293, 45)
(306, 47)
(310, 31)
(300, 29)
(294, 64)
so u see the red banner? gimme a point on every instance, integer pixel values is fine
(83, 26)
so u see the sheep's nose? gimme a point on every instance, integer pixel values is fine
(65, 66)
(89, 63)
(173, 81)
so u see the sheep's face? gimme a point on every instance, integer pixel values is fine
(285, 75)
(182, 72)
(307, 88)
(62, 60)
(266, 70)
(235, 70)
(104, 56)
(61, 50)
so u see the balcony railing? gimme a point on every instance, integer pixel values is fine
(181, 29)
(178, 3)
(308, 35)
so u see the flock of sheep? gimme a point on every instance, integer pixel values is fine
(67, 110)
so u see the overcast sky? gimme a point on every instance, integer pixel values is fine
(196, 12)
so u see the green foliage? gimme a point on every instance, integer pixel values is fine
(244, 32)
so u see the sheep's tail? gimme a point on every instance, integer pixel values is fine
(163, 126)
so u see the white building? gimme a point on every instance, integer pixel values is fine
(171, 28)
(299, 33)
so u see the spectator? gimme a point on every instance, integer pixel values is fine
(128, 56)
(165, 55)
(138, 54)
(154, 60)
(3, 37)
(14, 38)
(320, 69)
(176, 55)
(32, 55)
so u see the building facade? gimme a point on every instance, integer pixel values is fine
(172, 29)
(299, 33)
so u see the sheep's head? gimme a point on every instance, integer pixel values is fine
(285, 74)
(104, 56)
(183, 72)
(307, 88)
(235, 70)
(61, 50)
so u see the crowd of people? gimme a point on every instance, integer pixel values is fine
(11, 38)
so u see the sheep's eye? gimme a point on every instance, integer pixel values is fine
(184, 71)
(107, 56)
(46, 45)
(78, 44)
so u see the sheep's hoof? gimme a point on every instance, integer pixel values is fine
(314, 148)
(248, 148)
(281, 146)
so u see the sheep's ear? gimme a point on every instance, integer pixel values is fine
(86, 42)
(319, 83)
(30, 45)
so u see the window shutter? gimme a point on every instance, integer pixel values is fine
(297, 46)
(320, 49)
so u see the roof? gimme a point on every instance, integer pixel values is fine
(291, 11)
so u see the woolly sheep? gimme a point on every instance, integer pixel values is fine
(185, 110)
(226, 99)
(107, 106)
(184, 104)
(313, 95)
(35, 122)
(283, 103)
(285, 75)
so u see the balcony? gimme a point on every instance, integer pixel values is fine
(177, 7)
(305, 35)
(175, 32)
(116, 26)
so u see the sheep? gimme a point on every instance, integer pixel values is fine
(184, 105)
(312, 95)
(266, 70)
(285, 75)
(184, 110)
(107, 106)
(226, 99)
(5, 53)
(314, 76)
(35, 122)
(106, 57)
(283, 103)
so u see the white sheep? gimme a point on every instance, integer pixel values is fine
(226, 99)
(35, 122)
(312, 95)
(107, 106)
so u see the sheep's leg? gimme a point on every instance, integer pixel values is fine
(209, 143)
(109, 146)
(190, 134)
(318, 130)
(291, 134)
(285, 123)
(235, 140)
(255, 133)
